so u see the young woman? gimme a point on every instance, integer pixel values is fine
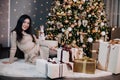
(22, 38)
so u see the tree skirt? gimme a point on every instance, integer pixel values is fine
(22, 69)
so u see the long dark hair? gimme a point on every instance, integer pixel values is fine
(19, 30)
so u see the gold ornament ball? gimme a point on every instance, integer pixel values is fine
(83, 45)
(64, 5)
(70, 2)
(75, 24)
(76, 17)
(72, 25)
(93, 31)
(58, 13)
(66, 21)
(74, 42)
(70, 34)
(65, 0)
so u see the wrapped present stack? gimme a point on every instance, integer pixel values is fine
(68, 54)
(52, 68)
(109, 56)
(68, 59)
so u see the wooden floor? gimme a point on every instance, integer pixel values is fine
(4, 53)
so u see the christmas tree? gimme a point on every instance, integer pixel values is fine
(77, 23)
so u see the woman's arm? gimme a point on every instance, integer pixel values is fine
(36, 40)
(13, 47)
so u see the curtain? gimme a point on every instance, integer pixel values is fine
(113, 13)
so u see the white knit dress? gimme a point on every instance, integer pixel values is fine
(30, 49)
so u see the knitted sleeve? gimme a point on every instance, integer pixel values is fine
(13, 46)
(36, 40)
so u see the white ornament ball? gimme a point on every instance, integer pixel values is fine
(102, 13)
(89, 15)
(69, 29)
(63, 30)
(90, 39)
(49, 14)
(103, 33)
(102, 24)
(75, 0)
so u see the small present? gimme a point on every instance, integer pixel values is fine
(94, 54)
(64, 55)
(94, 51)
(84, 65)
(57, 70)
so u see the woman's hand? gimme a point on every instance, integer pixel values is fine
(7, 62)
(10, 61)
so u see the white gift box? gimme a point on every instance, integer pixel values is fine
(57, 70)
(109, 57)
(44, 52)
(103, 55)
(114, 58)
(41, 66)
(52, 70)
(62, 56)
(48, 43)
(45, 46)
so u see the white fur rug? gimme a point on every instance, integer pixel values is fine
(22, 69)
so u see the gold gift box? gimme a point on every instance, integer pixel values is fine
(84, 65)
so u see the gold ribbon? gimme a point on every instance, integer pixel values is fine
(84, 66)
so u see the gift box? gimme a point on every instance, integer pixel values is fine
(63, 55)
(84, 65)
(48, 43)
(57, 70)
(103, 56)
(95, 49)
(44, 52)
(53, 69)
(114, 58)
(109, 57)
(47, 48)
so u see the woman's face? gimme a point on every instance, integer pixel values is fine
(26, 24)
